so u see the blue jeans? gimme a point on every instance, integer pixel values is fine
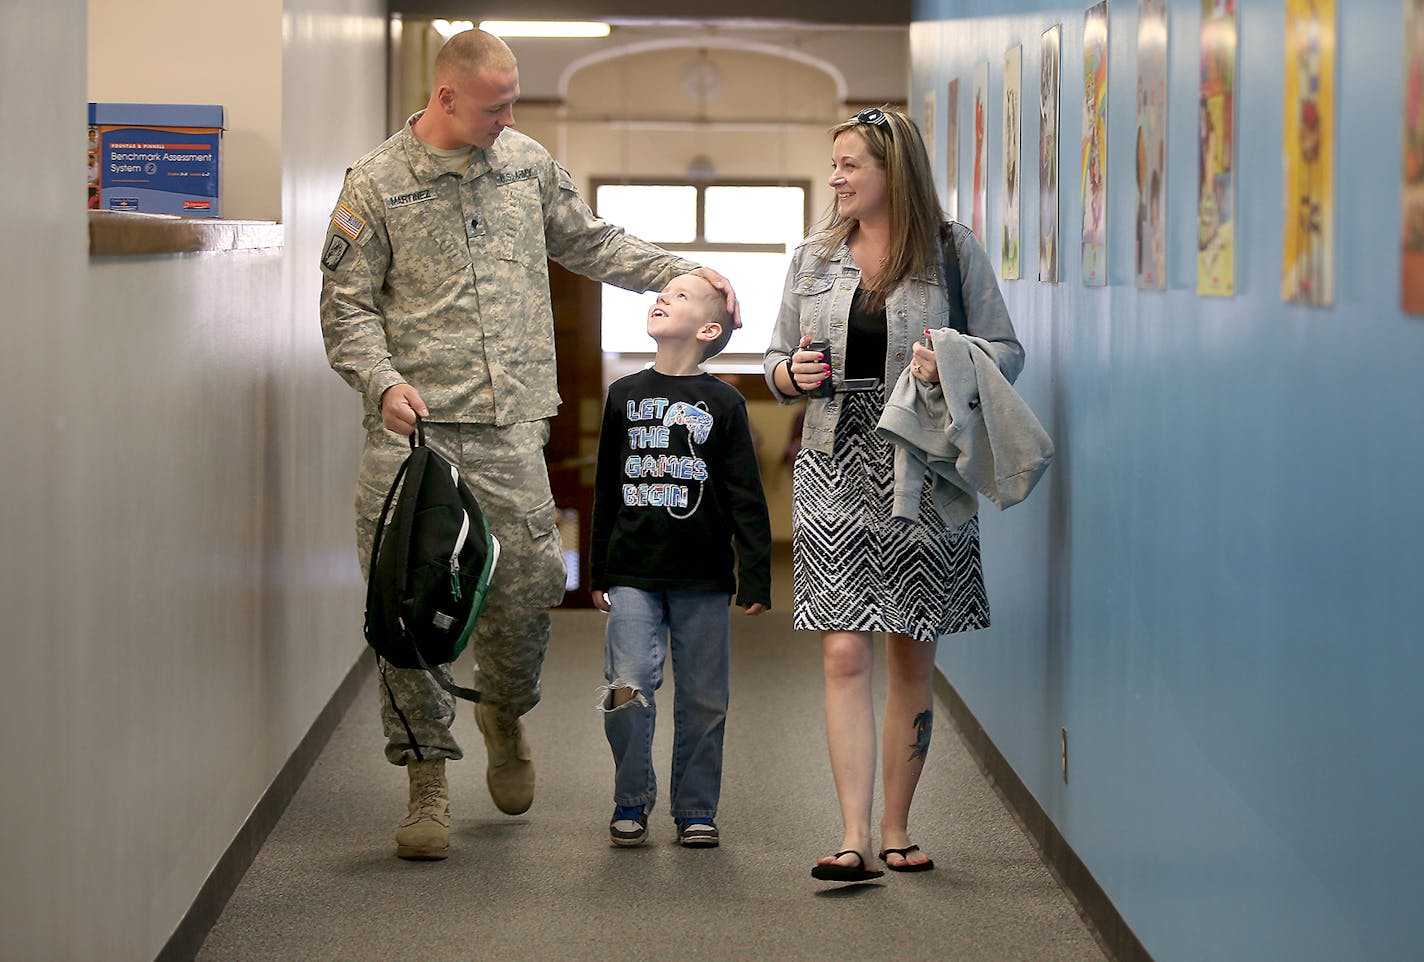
(640, 626)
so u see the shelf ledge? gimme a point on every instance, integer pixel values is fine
(119, 233)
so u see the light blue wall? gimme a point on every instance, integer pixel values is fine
(1217, 588)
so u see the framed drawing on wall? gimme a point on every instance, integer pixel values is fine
(1048, 154)
(951, 151)
(1411, 267)
(1095, 145)
(1009, 199)
(1308, 232)
(981, 150)
(927, 126)
(1216, 150)
(1150, 242)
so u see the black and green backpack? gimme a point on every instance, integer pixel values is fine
(431, 563)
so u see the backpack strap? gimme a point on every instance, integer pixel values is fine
(376, 542)
(419, 432)
(443, 679)
(953, 280)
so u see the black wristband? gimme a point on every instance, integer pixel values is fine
(794, 386)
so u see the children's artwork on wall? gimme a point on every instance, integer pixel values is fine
(1095, 144)
(1308, 237)
(981, 149)
(927, 126)
(1216, 151)
(1013, 97)
(1151, 233)
(1048, 154)
(1411, 268)
(951, 151)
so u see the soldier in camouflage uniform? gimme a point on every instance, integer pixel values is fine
(435, 302)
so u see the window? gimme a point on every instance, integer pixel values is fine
(745, 231)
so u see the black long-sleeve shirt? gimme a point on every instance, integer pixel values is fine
(677, 485)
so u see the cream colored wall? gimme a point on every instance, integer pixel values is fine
(175, 51)
(179, 582)
(641, 116)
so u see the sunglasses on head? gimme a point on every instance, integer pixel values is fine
(873, 116)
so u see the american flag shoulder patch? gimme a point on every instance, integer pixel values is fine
(348, 222)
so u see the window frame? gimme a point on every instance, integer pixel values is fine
(699, 242)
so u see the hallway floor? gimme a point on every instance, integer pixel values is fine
(548, 886)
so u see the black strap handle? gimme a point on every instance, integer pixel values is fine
(376, 542)
(953, 280)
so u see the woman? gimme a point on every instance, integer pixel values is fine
(869, 283)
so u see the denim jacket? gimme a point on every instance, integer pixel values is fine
(816, 301)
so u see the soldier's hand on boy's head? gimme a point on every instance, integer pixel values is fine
(399, 406)
(722, 284)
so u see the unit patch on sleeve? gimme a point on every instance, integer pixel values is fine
(347, 222)
(335, 251)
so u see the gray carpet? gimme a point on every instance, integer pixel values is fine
(548, 886)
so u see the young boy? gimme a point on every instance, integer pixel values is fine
(677, 484)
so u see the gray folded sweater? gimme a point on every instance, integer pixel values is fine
(972, 432)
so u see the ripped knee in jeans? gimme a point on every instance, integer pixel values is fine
(619, 695)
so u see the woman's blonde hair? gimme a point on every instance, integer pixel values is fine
(895, 144)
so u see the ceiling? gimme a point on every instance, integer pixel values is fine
(886, 12)
(867, 61)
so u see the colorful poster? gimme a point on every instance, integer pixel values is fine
(927, 126)
(1095, 144)
(1151, 233)
(1308, 235)
(951, 151)
(981, 149)
(1216, 151)
(1013, 124)
(1411, 268)
(1048, 155)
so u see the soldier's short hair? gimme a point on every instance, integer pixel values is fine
(469, 52)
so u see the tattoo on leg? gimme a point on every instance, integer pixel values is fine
(924, 721)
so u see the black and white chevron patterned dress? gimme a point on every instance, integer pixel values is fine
(858, 569)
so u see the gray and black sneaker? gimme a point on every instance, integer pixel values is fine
(698, 835)
(628, 827)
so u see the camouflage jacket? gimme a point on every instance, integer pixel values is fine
(442, 280)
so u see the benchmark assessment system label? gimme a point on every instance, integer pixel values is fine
(159, 170)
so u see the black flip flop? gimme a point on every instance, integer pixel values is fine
(836, 872)
(907, 865)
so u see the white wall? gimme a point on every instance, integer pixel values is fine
(179, 581)
(42, 267)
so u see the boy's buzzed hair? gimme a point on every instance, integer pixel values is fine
(469, 52)
(717, 313)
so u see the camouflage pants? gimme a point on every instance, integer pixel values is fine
(504, 467)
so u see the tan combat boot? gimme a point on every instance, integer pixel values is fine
(511, 766)
(425, 833)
